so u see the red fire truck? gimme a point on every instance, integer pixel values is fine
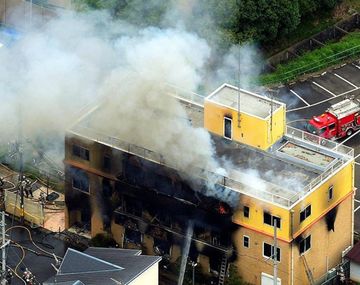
(340, 120)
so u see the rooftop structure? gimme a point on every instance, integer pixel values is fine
(106, 266)
(244, 101)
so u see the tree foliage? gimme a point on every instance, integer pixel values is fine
(233, 21)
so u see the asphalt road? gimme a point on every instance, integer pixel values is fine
(37, 261)
(314, 95)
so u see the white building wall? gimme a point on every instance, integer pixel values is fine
(354, 272)
(149, 277)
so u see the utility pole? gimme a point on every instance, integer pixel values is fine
(21, 187)
(3, 250)
(275, 251)
(238, 99)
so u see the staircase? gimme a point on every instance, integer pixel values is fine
(308, 271)
(222, 270)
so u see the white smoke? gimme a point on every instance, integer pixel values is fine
(51, 72)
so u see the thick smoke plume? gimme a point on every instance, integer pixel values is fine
(52, 71)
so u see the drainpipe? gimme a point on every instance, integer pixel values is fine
(292, 245)
(352, 215)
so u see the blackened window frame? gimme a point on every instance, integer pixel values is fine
(80, 152)
(80, 185)
(269, 247)
(227, 120)
(330, 192)
(305, 213)
(305, 245)
(107, 162)
(246, 212)
(269, 220)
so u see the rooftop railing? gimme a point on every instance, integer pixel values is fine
(215, 178)
(319, 141)
(185, 95)
(324, 143)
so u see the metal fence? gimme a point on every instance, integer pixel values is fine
(321, 142)
(185, 95)
(324, 143)
(21, 14)
(352, 52)
(332, 33)
(337, 275)
(215, 178)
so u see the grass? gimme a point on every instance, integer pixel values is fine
(313, 25)
(331, 54)
(307, 28)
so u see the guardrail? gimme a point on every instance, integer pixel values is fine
(314, 66)
(217, 179)
(206, 175)
(186, 95)
(321, 142)
(325, 143)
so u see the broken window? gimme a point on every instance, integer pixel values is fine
(227, 128)
(132, 236)
(107, 162)
(270, 220)
(246, 241)
(215, 263)
(305, 244)
(246, 212)
(80, 179)
(269, 251)
(305, 213)
(330, 219)
(133, 206)
(81, 152)
(107, 188)
(330, 192)
(162, 247)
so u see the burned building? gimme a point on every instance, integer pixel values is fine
(279, 180)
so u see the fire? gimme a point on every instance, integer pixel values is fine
(223, 209)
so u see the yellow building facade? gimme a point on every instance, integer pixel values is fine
(315, 225)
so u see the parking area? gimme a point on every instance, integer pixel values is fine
(314, 95)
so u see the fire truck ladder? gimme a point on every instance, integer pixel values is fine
(308, 271)
(222, 270)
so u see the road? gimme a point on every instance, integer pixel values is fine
(314, 95)
(36, 260)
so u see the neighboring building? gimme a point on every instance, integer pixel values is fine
(354, 256)
(107, 266)
(283, 176)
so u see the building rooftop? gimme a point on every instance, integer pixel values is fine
(284, 174)
(234, 98)
(102, 266)
(354, 253)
